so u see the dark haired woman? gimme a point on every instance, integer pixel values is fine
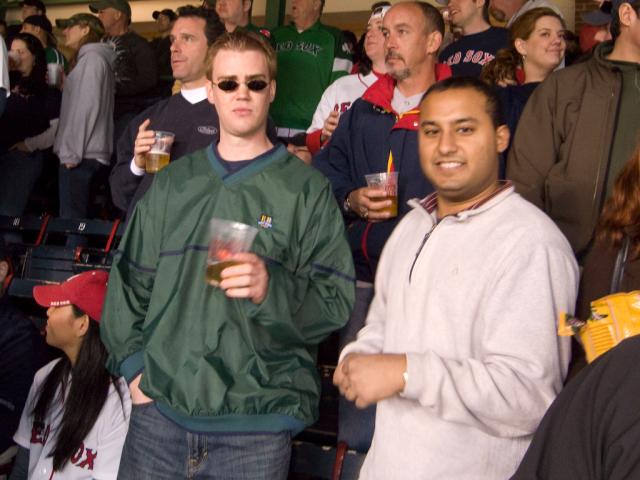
(24, 116)
(76, 417)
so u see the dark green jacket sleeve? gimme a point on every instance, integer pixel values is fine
(131, 283)
(306, 305)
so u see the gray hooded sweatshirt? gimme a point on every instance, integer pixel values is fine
(86, 115)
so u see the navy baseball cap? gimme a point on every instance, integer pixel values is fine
(167, 12)
(601, 16)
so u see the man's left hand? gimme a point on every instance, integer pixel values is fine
(250, 279)
(367, 379)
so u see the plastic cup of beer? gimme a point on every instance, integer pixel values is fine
(160, 153)
(387, 181)
(226, 239)
(13, 59)
(54, 74)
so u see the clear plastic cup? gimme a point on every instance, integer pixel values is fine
(54, 74)
(388, 181)
(160, 153)
(226, 238)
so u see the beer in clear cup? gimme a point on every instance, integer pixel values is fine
(387, 181)
(226, 238)
(160, 153)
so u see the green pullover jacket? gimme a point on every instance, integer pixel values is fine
(212, 363)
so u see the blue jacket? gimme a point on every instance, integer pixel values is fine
(361, 144)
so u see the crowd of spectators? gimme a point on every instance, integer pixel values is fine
(516, 157)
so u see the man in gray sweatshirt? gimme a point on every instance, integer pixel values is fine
(460, 350)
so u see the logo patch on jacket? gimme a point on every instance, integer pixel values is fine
(265, 221)
(207, 130)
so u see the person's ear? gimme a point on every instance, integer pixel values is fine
(502, 138)
(246, 6)
(82, 325)
(520, 46)
(434, 41)
(210, 92)
(627, 14)
(85, 30)
(272, 90)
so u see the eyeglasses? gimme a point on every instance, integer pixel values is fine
(232, 85)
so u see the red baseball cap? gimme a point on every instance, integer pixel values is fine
(85, 290)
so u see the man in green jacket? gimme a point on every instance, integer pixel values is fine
(221, 378)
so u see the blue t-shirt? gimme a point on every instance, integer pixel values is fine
(467, 56)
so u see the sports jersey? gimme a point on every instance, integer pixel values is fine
(99, 454)
(467, 56)
(308, 62)
(337, 97)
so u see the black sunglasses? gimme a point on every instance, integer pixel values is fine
(232, 85)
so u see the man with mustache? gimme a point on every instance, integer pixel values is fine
(379, 134)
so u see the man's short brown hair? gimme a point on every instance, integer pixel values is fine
(241, 41)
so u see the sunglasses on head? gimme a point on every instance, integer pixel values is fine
(233, 85)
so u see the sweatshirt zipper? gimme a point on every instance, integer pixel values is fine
(422, 244)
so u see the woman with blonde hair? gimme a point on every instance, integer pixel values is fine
(84, 140)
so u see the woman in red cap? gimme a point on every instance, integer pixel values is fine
(76, 417)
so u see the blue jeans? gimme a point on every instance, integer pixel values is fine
(156, 448)
(19, 173)
(75, 193)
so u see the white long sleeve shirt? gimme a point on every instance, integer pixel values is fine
(339, 96)
(473, 301)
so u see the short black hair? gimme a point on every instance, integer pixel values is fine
(615, 17)
(213, 26)
(492, 104)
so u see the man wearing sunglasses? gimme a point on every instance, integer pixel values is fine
(223, 376)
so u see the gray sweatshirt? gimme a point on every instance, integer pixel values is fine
(474, 308)
(86, 115)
